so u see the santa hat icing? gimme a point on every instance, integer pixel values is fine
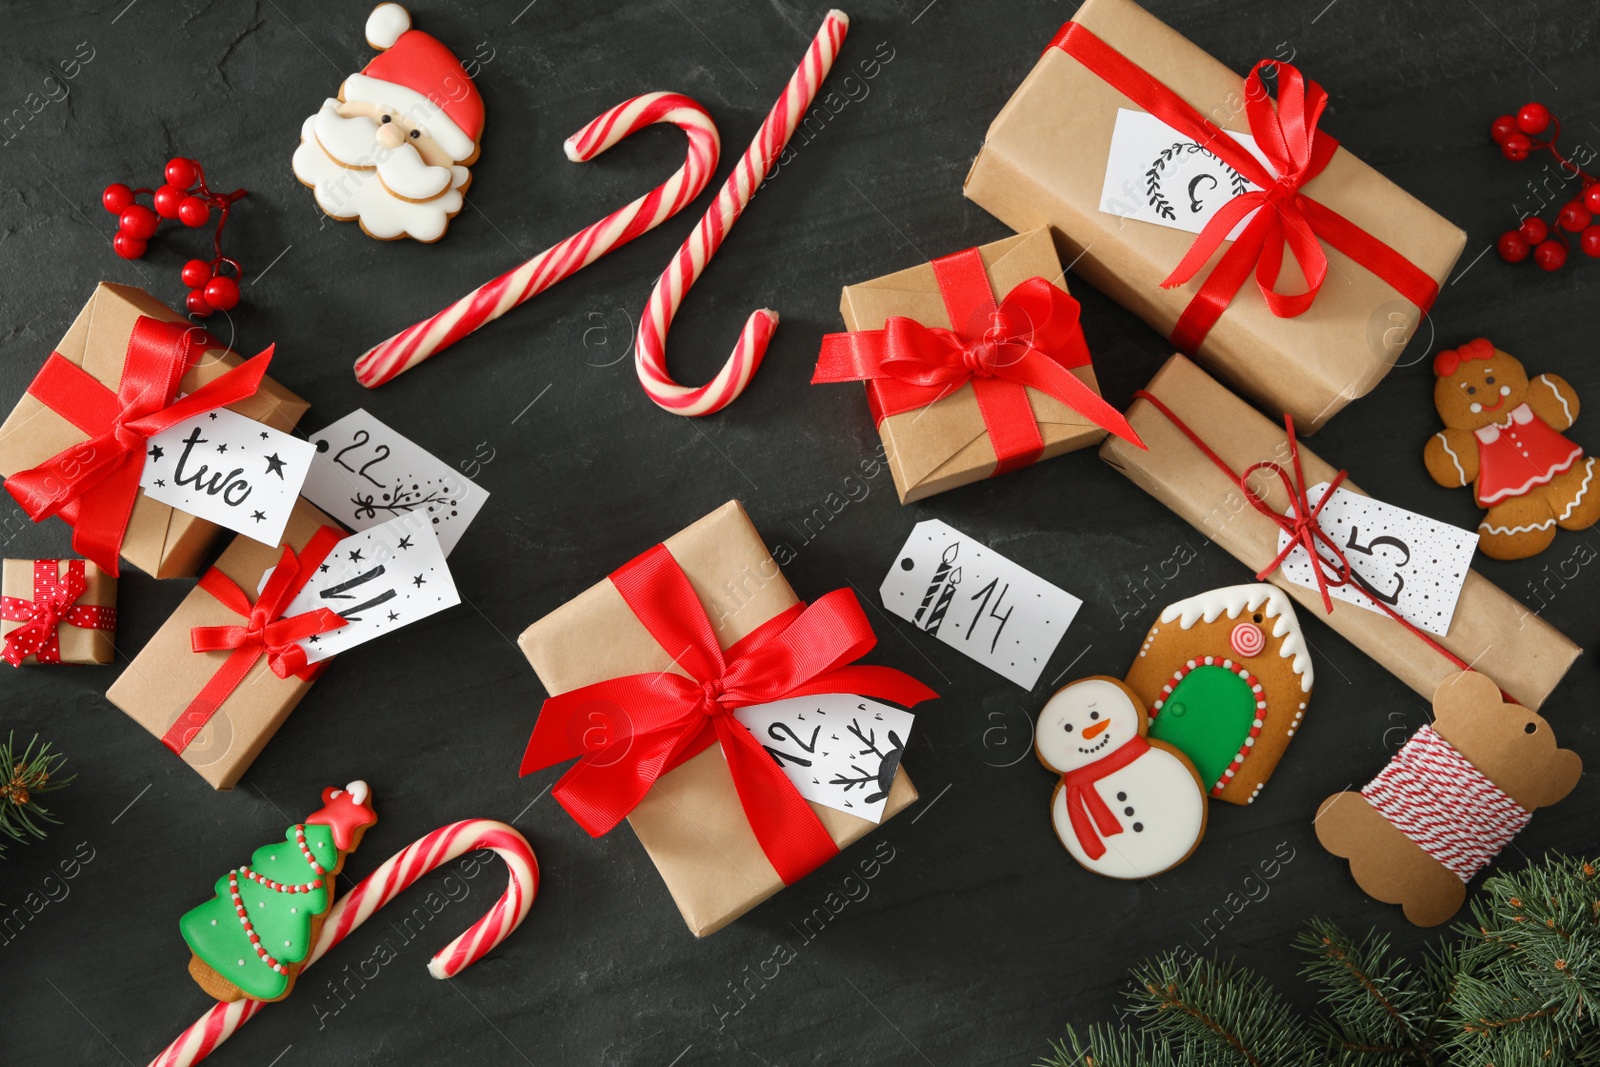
(420, 78)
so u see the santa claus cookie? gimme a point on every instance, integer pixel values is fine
(392, 150)
(1503, 437)
(252, 938)
(1126, 806)
(1226, 676)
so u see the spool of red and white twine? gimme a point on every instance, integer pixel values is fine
(650, 350)
(391, 878)
(1433, 795)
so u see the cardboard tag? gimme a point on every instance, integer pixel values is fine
(1412, 563)
(837, 749)
(1156, 174)
(975, 600)
(230, 470)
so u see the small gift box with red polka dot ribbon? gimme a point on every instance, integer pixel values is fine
(57, 611)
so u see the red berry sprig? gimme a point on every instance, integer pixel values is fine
(183, 196)
(1518, 137)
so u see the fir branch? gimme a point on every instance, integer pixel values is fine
(1374, 1000)
(23, 779)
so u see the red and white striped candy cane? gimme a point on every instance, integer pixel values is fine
(488, 302)
(650, 350)
(377, 889)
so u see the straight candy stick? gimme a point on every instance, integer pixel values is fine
(650, 350)
(488, 302)
(391, 878)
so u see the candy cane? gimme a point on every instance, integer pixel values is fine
(650, 351)
(488, 302)
(377, 889)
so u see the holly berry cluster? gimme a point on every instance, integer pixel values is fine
(1518, 137)
(183, 196)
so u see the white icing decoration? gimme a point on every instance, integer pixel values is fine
(1508, 530)
(1565, 408)
(1455, 459)
(1233, 600)
(1588, 473)
(385, 25)
(358, 791)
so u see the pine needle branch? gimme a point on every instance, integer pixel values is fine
(23, 779)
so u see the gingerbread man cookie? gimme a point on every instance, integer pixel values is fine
(1503, 436)
(392, 150)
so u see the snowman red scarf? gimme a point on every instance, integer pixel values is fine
(1092, 819)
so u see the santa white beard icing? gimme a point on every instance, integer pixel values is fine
(1126, 807)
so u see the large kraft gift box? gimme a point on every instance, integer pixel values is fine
(160, 540)
(1044, 162)
(944, 445)
(691, 822)
(1490, 630)
(166, 675)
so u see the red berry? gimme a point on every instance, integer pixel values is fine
(193, 211)
(167, 198)
(222, 293)
(1589, 241)
(1591, 197)
(1533, 230)
(139, 222)
(182, 172)
(1574, 216)
(196, 303)
(1512, 248)
(1550, 255)
(127, 246)
(196, 273)
(116, 198)
(1533, 118)
(1516, 147)
(1502, 127)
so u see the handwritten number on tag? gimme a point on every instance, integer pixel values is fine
(361, 438)
(1369, 549)
(342, 592)
(986, 593)
(777, 730)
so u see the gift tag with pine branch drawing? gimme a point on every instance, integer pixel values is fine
(975, 600)
(365, 474)
(230, 470)
(1156, 174)
(837, 749)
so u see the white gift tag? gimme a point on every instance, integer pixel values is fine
(1156, 174)
(837, 749)
(1412, 563)
(230, 470)
(365, 474)
(377, 580)
(974, 599)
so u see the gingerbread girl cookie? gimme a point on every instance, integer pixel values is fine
(1503, 436)
(392, 150)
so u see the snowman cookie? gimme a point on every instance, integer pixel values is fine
(1227, 677)
(1126, 806)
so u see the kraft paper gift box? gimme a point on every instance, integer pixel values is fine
(157, 688)
(1490, 630)
(945, 444)
(87, 629)
(691, 822)
(1044, 162)
(160, 540)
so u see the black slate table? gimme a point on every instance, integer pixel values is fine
(979, 939)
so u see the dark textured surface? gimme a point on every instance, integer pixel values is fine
(980, 939)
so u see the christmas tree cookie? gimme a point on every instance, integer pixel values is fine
(252, 938)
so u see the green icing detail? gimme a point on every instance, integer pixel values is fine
(216, 935)
(1207, 718)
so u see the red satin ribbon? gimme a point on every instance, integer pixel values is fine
(1284, 216)
(265, 633)
(627, 732)
(93, 485)
(1092, 819)
(54, 604)
(1032, 337)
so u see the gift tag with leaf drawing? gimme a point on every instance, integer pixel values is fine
(1155, 174)
(837, 749)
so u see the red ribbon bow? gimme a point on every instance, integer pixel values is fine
(265, 633)
(1032, 338)
(93, 485)
(54, 603)
(1091, 817)
(1297, 151)
(627, 732)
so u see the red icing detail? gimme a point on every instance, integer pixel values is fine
(343, 816)
(421, 63)
(1521, 456)
(1247, 639)
(1449, 361)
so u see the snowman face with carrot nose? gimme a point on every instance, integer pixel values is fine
(1085, 722)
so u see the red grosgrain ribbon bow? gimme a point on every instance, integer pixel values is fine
(629, 731)
(1032, 337)
(93, 485)
(1297, 151)
(55, 601)
(1092, 818)
(265, 633)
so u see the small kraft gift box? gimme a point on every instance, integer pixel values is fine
(1169, 181)
(1202, 439)
(73, 447)
(975, 364)
(224, 671)
(57, 611)
(643, 669)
